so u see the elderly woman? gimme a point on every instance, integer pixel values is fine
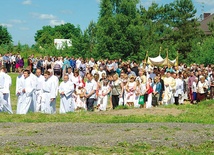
(202, 89)
(117, 90)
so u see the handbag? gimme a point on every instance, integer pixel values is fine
(141, 100)
(150, 90)
(120, 101)
(154, 101)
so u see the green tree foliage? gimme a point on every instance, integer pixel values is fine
(89, 41)
(184, 25)
(211, 27)
(118, 29)
(46, 36)
(5, 37)
(202, 52)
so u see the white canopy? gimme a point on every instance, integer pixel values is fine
(159, 61)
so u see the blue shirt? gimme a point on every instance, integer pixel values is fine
(158, 87)
(73, 63)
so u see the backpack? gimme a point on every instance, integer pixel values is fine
(57, 67)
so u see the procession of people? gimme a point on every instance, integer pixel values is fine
(86, 84)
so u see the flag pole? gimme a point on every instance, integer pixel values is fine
(160, 50)
(177, 59)
(145, 60)
(167, 56)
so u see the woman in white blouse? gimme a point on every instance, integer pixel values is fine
(202, 88)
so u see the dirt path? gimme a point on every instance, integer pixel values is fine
(143, 111)
(93, 134)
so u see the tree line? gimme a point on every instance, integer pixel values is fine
(127, 29)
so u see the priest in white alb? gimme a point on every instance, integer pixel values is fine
(39, 81)
(26, 95)
(66, 89)
(19, 88)
(48, 94)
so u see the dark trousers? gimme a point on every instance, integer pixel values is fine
(115, 101)
(111, 72)
(145, 98)
(90, 104)
(8, 65)
(212, 92)
(13, 66)
(176, 101)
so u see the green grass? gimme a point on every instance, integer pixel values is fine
(121, 148)
(200, 113)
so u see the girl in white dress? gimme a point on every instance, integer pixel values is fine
(80, 99)
(137, 92)
(130, 89)
(102, 100)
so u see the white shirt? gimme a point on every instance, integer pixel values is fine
(39, 82)
(59, 62)
(19, 83)
(66, 87)
(55, 80)
(89, 86)
(201, 87)
(78, 62)
(76, 80)
(91, 64)
(100, 73)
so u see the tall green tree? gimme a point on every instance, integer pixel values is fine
(154, 29)
(211, 26)
(90, 40)
(47, 34)
(182, 19)
(105, 28)
(5, 37)
(118, 29)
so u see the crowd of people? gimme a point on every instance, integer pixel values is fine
(88, 84)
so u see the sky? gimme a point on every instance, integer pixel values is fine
(24, 17)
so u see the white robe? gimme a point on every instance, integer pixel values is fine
(19, 88)
(66, 101)
(80, 102)
(4, 88)
(48, 93)
(33, 79)
(168, 95)
(137, 96)
(8, 83)
(38, 92)
(26, 99)
(179, 90)
(103, 99)
(55, 81)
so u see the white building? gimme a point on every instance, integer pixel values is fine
(62, 43)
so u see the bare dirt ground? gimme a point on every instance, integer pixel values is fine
(143, 111)
(93, 134)
(108, 134)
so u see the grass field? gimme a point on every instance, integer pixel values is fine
(123, 148)
(201, 113)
